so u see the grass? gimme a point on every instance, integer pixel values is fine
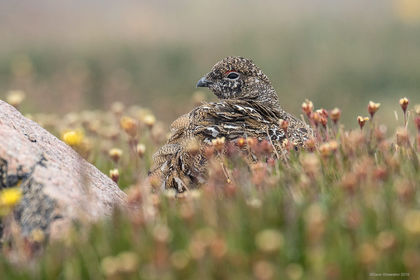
(345, 208)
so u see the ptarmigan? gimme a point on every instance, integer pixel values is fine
(248, 106)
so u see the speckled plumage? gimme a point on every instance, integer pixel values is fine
(248, 106)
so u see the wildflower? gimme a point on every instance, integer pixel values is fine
(170, 193)
(412, 258)
(353, 219)
(380, 173)
(373, 108)
(263, 270)
(417, 109)
(380, 132)
(316, 118)
(310, 144)
(149, 120)
(310, 165)
(241, 142)
(259, 173)
(218, 143)
(109, 266)
(180, 259)
(315, 221)
(195, 194)
(114, 174)
(162, 234)
(252, 142)
(412, 222)
(37, 235)
(407, 10)
(335, 115)
(284, 125)
(209, 151)
(307, 107)
(115, 154)
(323, 112)
(218, 248)
(328, 148)
(294, 271)
(117, 108)
(349, 182)
(125, 262)
(367, 254)
(266, 146)
(186, 211)
(269, 240)
(196, 249)
(404, 104)
(254, 202)
(128, 261)
(362, 120)
(10, 197)
(385, 240)
(15, 97)
(129, 125)
(140, 149)
(73, 138)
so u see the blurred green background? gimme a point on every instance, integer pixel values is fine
(76, 55)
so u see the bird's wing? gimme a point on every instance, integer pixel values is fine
(228, 118)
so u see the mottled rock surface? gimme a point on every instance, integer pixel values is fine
(58, 185)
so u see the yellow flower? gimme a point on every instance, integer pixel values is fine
(141, 149)
(10, 197)
(362, 120)
(404, 103)
(412, 221)
(73, 138)
(269, 240)
(149, 120)
(114, 174)
(408, 10)
(115, 154)
(373, 108)
(129, 125)
(15, 97)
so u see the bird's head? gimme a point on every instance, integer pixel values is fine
(238, 78)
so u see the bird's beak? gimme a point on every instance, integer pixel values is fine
(203, 82)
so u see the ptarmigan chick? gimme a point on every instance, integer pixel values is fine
(248, 106)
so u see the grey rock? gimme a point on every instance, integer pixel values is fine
(59, 186)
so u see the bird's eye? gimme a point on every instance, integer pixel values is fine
(232, 75)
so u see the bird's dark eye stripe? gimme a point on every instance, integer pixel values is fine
(233, 75)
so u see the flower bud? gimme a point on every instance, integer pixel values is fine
(335, 115)
(362, 120)
(241, 142)
(149, 120)
(15, 97)
(316, 118)
(404, 104)
(284, 124)
(218, 143)
(114, 174)
(373, 108)
(140, 149)
(129, 125)
(115, 154)
(307, 107)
